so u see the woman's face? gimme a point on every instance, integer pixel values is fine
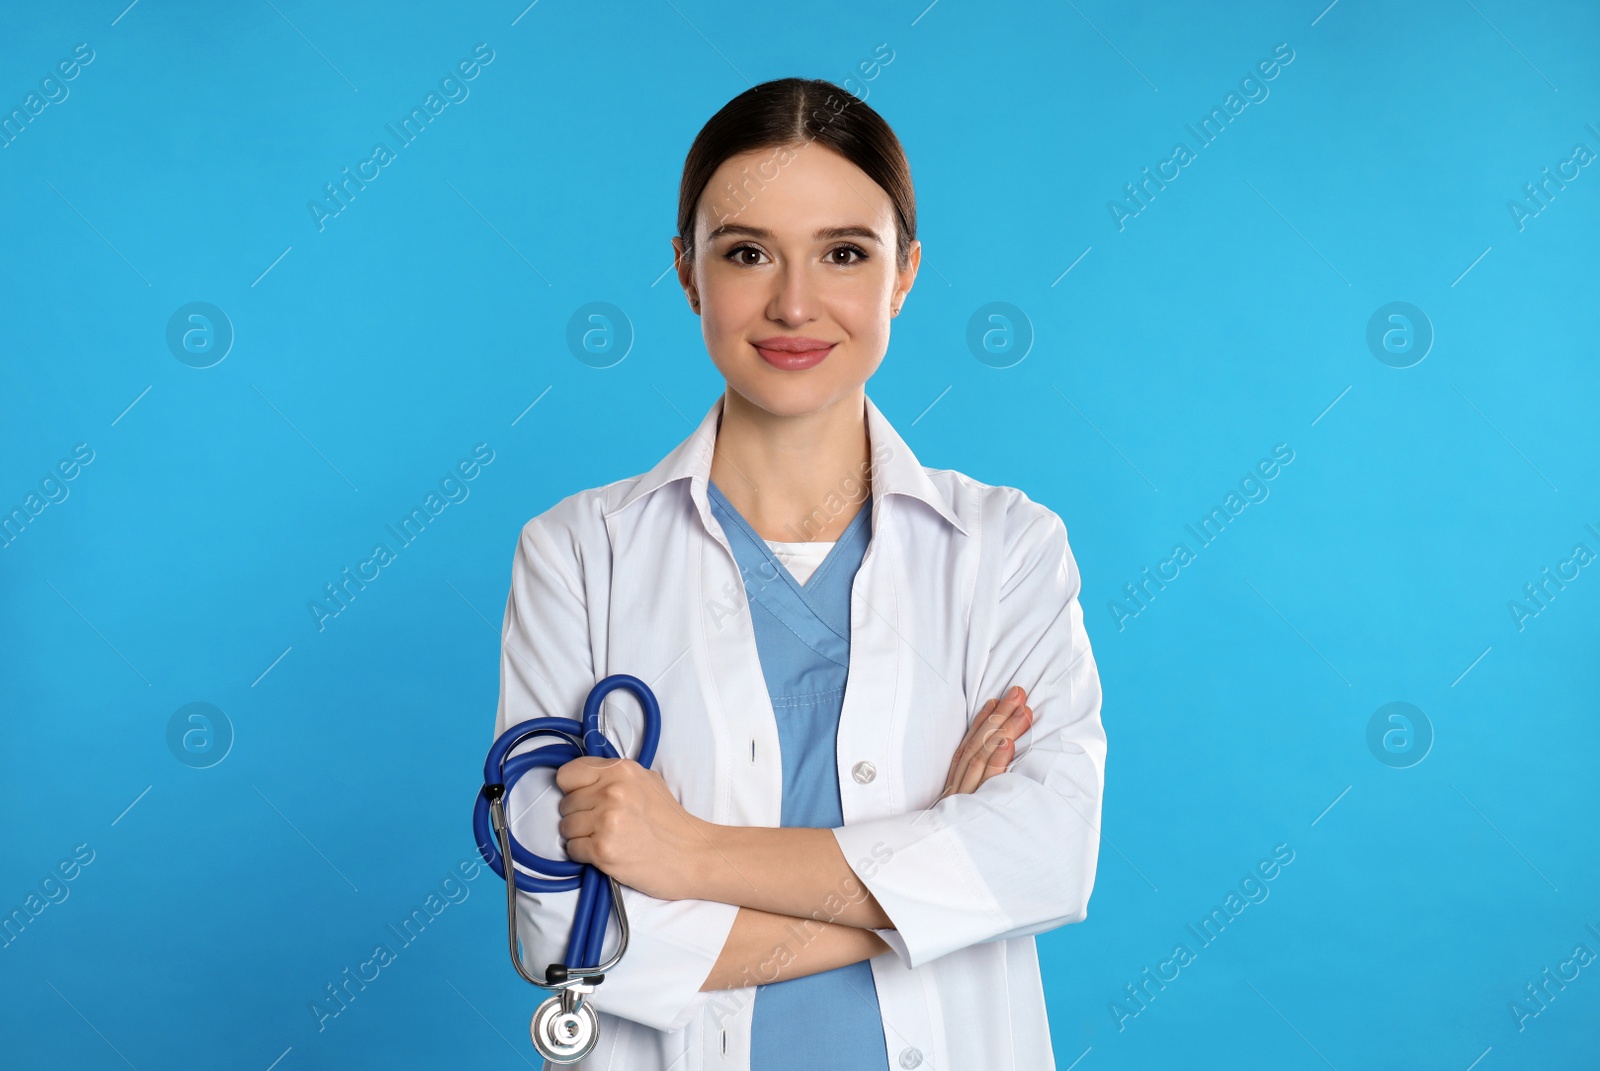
(795, 243)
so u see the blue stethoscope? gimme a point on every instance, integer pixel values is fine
(564, 1027)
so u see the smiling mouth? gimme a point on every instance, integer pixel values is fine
(792, 359)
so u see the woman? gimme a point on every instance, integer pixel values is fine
(841, 853)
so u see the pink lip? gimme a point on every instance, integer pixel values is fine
(793, 354)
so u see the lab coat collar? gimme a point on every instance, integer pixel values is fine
(895, 469)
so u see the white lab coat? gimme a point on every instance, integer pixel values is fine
(965, 590)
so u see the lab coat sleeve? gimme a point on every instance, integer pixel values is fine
(1018, 855)
(546, 670)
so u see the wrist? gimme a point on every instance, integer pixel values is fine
(701, 865)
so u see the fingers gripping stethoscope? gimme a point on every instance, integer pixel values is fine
(564, 1027)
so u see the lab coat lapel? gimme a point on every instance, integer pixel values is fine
(736, 699)
(678, 620)
(673, 567)
(871, 716)
(651, 603)
(776, 589)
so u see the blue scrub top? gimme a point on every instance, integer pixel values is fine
(830, 1019)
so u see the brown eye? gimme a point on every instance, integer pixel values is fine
(860, 255)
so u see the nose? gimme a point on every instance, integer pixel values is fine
(794, 300)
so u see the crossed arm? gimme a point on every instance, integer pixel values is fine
(779, 877)
(767, 889)
(802, 908)
(765, 947)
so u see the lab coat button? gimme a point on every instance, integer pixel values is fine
(863, 772)
(910, 1057)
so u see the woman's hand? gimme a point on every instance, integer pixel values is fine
(622, 818)
(990, 744)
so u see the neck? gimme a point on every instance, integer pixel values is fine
(794, 478)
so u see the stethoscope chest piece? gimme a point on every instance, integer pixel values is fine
(564, 1028)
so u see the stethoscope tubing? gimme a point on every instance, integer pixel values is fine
(598, 893)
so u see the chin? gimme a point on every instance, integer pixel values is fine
(788, 393)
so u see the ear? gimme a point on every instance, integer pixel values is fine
(904, 280)
(685, 267)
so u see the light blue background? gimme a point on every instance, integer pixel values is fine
(1228, 316)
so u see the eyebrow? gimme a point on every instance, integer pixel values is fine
(853, 230)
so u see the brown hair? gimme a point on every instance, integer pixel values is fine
(791, 112)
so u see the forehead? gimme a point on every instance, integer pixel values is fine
(792, 192)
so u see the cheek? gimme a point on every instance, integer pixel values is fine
(728, 310)
(866, 320)
(724, 330)
(724, 335)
